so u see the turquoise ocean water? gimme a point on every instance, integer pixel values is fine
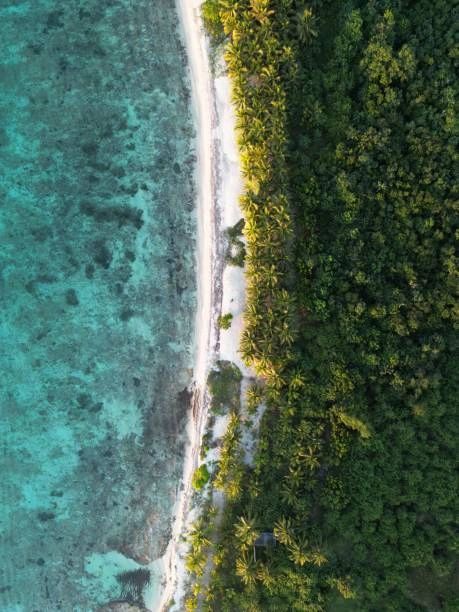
(97, 295)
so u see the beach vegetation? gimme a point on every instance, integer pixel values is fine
(198, 541)
(211, 17)
(206, 443)
(201, 477)
(224, 383)
(235, 231)
(236, 255)
(254, 397)
(347, 131)
(224, 321)
(230, 470)
(236, 252)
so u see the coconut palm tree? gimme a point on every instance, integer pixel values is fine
(229, 12)
(283, 531)
(245, 531)
(246, 569)
(261, 11)
(317, 558)
(305, 25)
(289, 494)
(198, 536)
(299, 551)
(265, 576)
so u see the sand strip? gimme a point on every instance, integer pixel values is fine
(196, 46)
(219, 185)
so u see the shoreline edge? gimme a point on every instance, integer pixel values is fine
(221, 287)
(200, 82)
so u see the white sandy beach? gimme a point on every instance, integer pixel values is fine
(219, 186)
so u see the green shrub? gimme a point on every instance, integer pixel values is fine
(211, 18)
(224, 321)
(254, 397)
(235, 231)
(236, 252)
(237, 258)
(205, 444)
(225, 387)
(201, 477)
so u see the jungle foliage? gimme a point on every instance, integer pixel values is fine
(348, 138)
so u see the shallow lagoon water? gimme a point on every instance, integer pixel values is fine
(97, 294)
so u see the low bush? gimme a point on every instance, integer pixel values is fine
(236, 252)
(224, 321)
(200, 478)
(225, 387)
(211, 18)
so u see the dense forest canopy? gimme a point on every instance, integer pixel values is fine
(348, 136)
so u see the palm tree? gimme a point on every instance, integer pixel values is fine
(298, 552)
(289, 494)
(198, 538)
(261, 11)
(229, 13)
(246, 569)
(305, 22)
(283, 531)
(264, 575)
(245, 531)
(318, 558)
(295, 476)
(308, 456)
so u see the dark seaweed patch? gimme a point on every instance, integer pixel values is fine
(54, 20)
(89, 271)
(126, 314)
(122, 215)
(83, 399)
(46, 516)
(90, 148)
(119, 172)
(44, 279)
(71, 297)
(129, 189)
(83, 14)
(30, 286)
(4, 140)
(85, 402)
(35, 48)
(102, 254)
